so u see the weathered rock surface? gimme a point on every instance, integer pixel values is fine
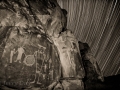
(92, 70)
(37, 52)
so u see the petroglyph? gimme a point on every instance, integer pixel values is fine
(11, 55)
(38, 72)
(20, 51)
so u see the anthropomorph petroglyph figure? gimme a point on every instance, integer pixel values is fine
(11, 55)
(20, 51)
(38, 71)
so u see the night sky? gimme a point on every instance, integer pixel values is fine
(97, 22)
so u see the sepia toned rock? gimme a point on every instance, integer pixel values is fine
(37, 51)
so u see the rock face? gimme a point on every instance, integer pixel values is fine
(93, 73)
(37, 52)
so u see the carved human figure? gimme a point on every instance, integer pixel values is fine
(20, 51)
(11, 54)
(38, 72)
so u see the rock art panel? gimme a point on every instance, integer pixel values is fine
(37, 51)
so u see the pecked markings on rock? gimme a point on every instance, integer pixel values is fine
(35, 50)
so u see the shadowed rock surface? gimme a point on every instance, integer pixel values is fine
(110, 83)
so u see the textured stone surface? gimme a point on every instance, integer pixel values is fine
(69, 55)
(92, 70)
(37, 52)
(29, 59)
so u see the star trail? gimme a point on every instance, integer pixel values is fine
(97, 22)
